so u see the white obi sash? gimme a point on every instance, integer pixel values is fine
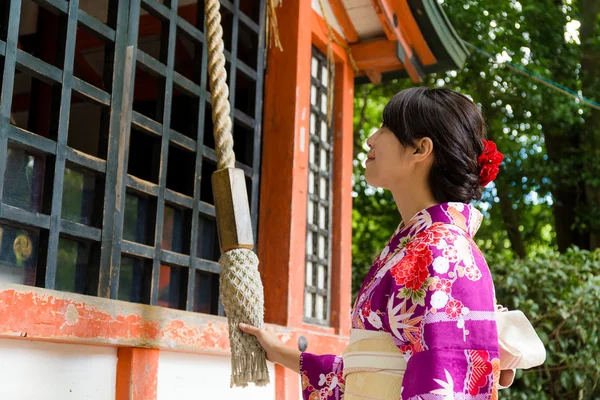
(373, 366)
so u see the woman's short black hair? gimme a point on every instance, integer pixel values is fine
(456, 127)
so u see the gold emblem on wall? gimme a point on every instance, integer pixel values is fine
(22, 248)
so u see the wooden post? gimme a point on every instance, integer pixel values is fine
(284, 176)
(137, 373)
(232, 209)
(341, 253)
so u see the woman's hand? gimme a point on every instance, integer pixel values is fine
(267, 339)
(276, 350)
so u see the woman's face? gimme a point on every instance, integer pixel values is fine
(389, 163)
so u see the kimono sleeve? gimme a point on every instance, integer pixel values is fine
(441, 314)
(321, 376)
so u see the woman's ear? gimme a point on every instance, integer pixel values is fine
(423, 148)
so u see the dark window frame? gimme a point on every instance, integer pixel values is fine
(124, 15)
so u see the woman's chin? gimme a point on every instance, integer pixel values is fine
(371, 181)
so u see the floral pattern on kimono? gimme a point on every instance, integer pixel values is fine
(431, 289)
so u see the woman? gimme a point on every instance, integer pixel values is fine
(424, 320)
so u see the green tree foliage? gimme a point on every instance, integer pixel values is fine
(559, 294)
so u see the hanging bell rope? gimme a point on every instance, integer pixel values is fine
(239, 283)
(272, 33)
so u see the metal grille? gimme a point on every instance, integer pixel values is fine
(106, 131)
(318, 239)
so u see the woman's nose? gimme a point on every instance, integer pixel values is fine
(370, 141)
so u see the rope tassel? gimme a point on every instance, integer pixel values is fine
(242, 296)
(240, 285)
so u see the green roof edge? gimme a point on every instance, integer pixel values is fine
(441, 37)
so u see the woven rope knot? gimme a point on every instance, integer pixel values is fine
(242, 296)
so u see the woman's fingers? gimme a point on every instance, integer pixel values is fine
(249, 329)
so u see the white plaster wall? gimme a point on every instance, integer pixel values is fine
(194, 376)
(49, 371)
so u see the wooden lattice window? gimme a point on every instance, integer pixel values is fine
(318, 239)
(106, 147)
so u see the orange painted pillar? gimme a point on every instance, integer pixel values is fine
(341, 257)
(137, 373)
(343, 139)
(284, 172)
(284, 178)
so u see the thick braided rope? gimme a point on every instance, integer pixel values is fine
(217, 76)
(240, 284)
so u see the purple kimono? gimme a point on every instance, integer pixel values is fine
(431, 289)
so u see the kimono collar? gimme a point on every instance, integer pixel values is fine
(464, 216)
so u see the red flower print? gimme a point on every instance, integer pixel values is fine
(406, 349)
(445, 285)
(329, 378)
(366, 309)
(340, 377)
(417, 246)
(414, 346)
(480, 368)
(412, 270)
(435, 234)
(454, 308)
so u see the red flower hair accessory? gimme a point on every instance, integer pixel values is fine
(489, 162)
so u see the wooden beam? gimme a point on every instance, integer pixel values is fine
(389, 22)
(37, 314)
(386, 23)
(374, 76)
(390, 68)
(341, 253)
(412, 32)
(137, 374)
(343, 19)
(284, 168)
(375, 54)
(320, 38)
